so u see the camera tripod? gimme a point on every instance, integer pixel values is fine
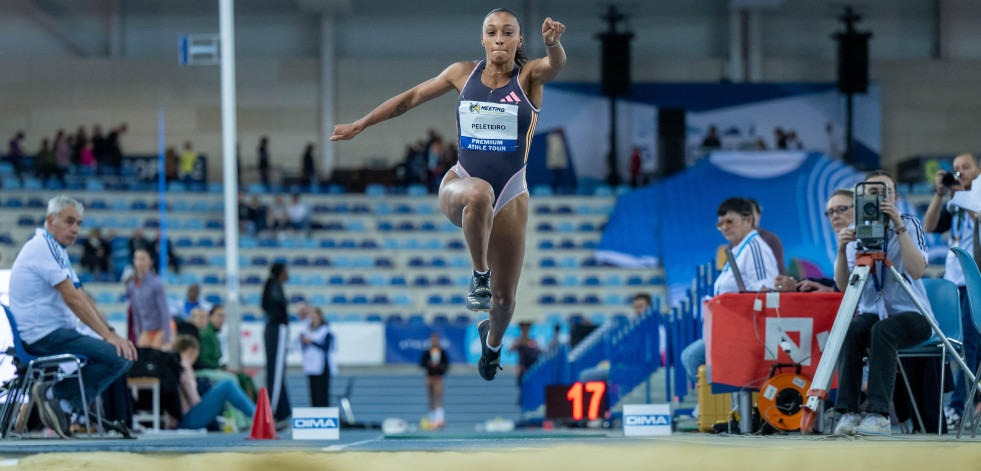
(864, 264)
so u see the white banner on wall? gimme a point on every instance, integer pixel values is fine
(356, 344)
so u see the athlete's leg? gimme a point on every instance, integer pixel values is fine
(506, 255)
(468, 202)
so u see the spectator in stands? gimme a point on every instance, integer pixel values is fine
(45, 162)
(139, 242)
(196, 320)
(794, 142)
(15, 154)
(100, 150)
(940, 218)
(46, 300)
(189, 159)
(148, 299)
(308, 166)
(200, 411)
(173, 260)
(556, 341)
(770, 238)
(63, 154)
(318, 343)
(114, 147)
(172, 163)
(87, 157)
(78, 143)
(96, 253)
(528, 352)
(194, 300)
(436, 361)
(840, 214)
(887, 319)
(779, 139)
(299, 214)
(257, 215)
(274, 304)
(278, 214)
(711, 141)
(209, 362)
(244, 217)
(263, 155)
(755, 261)
(434, 159)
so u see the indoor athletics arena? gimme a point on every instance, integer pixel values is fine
(529, 234)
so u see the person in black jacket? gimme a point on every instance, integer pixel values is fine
(275, 336)
(436, 362)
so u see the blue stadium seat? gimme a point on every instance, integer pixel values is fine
(25, 221)
(417, 319)
(213, 298)
(343, 262)
(373, 318)
(546, 244)
(338, 299)
(598, 319)
(587, 227)
(259, 261)
(447, 226)
(328, 243)
(316, 280)
(361, 208)
(584, 209)
(336, 280)
(253, 280)
(455, 245)
(138, 205)
(214, 224)
(566, 227)
(564, 209)
(547, 262)
(401, 299)
(590, 262)
(6, 239)
(438, 262)
(462, 319)
(441, 319)
(297, 298)
(216, 260)
(613, 280)
(570, 299)
(549, 281)
(190, 279)
(211, 279)
(569, 262)
(194, 224)
(395, 319)
(398, 280)
(406, 226)
(545, 227)
(356, 280)
(355, 226)
(428, 226)
(385, 226)
(567, 244)
(253, 299)
(541, 191)
(383, 209)
(35, 203)
(377, 280)
(185, 242)
(543, 209)
(368, 244)
(443, 280)
(591, 299)
(590, 244)
(321, 208)
(319, 299)
(359, 299)
(14, 202)
(321, 262)
(300, 261)
(380, 299)
(104, 298)
(463, 280)
(614, 300)
(591, 281)
(197, 261)
(363, 262)
(119, 205)
(546, 299)
(265, 242)
(575, 319)
(420, 281)
(417, 262)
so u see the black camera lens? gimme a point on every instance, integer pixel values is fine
(948, 179)
(870, 209)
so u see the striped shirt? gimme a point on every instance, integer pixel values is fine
(756, 263)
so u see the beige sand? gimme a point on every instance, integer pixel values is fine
(785, 455)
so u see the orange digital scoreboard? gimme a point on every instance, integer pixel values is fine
(576, 401)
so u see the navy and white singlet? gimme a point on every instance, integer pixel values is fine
(495, 127)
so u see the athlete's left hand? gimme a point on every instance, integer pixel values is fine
(551, 30)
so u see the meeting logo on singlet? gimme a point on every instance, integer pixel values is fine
(488, 127)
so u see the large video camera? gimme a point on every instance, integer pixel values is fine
(870, 222)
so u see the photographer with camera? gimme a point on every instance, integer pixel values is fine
(887, 319)
(960, 222)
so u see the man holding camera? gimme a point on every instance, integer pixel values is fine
(960, 222)
(887, 319)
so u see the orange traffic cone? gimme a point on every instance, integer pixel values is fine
(263, 427)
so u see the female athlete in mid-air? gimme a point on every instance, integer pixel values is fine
(485, 193)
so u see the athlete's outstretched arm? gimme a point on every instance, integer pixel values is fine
(405, 101)
(547, 68)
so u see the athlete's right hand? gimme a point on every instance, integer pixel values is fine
(344, 132)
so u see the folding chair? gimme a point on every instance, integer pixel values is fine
(31, 370)
(972, 280)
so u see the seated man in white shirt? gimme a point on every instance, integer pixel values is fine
(755, 260)
(887, 318)
(46, 300)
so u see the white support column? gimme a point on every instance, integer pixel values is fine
(754, 45)
(229, 135)
(328, 92)
(737, 66)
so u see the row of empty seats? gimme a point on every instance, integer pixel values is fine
(588, 299)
